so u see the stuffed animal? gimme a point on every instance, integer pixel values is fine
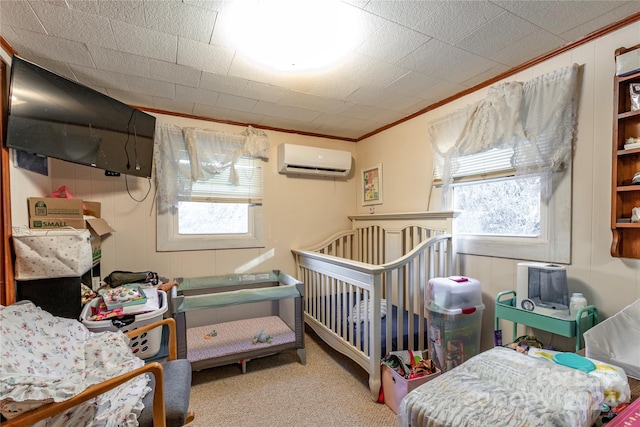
(262, 337)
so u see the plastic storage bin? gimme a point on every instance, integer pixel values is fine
(454, 311)
(144, 346)
(395, 386)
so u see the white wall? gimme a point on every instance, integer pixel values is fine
(298, 212)
(609, 283)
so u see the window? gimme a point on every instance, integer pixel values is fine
(210, 189)
(506, 162)
(219, 215)
(504, 215)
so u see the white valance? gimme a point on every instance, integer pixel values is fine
(189, 156)
(533, 122)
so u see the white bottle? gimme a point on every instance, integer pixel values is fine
(577, 302)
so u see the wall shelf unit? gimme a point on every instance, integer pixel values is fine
(625, 164)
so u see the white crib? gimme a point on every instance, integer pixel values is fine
(386, 259)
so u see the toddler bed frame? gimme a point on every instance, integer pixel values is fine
(386, 259)
(237, 317)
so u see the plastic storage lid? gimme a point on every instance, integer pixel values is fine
(574, 361)
(453, 293)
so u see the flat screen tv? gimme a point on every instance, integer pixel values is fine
(50, 115)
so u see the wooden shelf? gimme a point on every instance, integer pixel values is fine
(625, 241)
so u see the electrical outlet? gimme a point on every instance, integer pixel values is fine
(110, 173)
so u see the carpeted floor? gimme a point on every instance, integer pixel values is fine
(330, 390)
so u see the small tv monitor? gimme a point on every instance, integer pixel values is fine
(53, 116)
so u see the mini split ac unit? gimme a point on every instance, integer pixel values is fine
(304, 160)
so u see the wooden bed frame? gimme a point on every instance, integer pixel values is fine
(384, 257)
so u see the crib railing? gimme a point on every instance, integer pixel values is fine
(350, 267)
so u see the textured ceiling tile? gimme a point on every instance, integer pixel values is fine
(504, 30)
(58, 67)
(18, 14)
(175, 105)
(198, 96)
(93, 77)
(436, 58)
(392, 42)
(226, 114)
(222, 83)
(145, 42)
(313, 102)
(73, 24)
(330, 119)
(131, 98)
(126, 63)
(264, 92)
(624, 10)
(408, 13)
(215, 5)
(181, 19)
(179, 74)
(380, 73)
(55, 48)
(557, 16)
(455, 19)
(285, 123)
(486, 75)
(151, 87)
(275, 110)
(372, 114)
(204, 56)
(530, 46)
(87, 6)
(382, 98)
(233, 102)
(413, 83)
(131, 12)
(359, 125)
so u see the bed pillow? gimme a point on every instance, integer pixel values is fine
(353, 315)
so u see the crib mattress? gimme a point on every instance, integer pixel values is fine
(506, 388)
(236, 338)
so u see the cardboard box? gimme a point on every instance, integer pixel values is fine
(395, 386)
(52, 212)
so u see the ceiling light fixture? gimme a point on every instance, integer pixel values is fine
(294, 35)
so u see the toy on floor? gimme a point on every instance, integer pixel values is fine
(261, 336)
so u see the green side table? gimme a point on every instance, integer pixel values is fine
(506, 308)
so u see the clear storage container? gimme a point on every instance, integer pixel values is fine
(454, 311)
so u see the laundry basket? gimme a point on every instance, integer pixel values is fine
(145, 345)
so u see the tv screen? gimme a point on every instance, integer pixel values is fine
(53, 116)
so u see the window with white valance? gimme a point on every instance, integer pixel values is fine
(524, 131)
(204, 179)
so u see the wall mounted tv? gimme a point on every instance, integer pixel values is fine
(53, 116)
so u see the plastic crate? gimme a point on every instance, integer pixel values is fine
(144, 346)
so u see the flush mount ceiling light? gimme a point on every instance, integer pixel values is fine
(294, 35)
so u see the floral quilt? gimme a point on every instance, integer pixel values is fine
(44, 358)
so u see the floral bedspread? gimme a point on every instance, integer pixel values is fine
(44, 358)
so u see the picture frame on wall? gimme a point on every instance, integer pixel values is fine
(372, 185)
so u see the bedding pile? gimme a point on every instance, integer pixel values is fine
(501, 387)
(51, 359)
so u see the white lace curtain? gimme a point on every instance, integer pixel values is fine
(535, 121)
(185, 156)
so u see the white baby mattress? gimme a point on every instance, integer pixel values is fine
(501, 387)
(236, 337)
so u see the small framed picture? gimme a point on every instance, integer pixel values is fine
(372, 185)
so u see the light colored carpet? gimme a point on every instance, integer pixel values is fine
(330, 390)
